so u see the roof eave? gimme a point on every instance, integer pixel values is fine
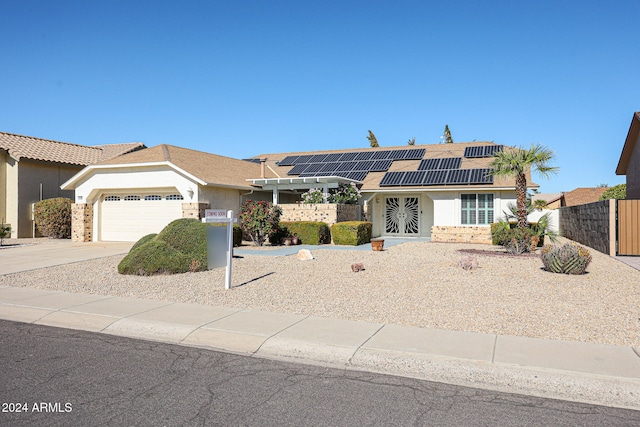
(629, 144)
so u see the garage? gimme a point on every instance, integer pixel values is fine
(128, 217)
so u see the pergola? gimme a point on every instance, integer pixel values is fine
(301, 183)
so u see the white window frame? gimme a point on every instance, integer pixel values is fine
(476, 209)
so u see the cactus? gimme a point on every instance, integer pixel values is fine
(569, 258)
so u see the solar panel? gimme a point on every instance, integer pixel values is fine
(398, 154)
(357, 176)
(314, 174)
(348, 157)
(380, 165)
(480, 176)
(333, 157)
(435, 177)
(288, 161)
(313, 168)
(428, 164)
(491, 150)
(381, 155)
(363, 165)
(413, 178)
(458, 176)
(317, 158)
(330, 167)
(392, 178)
(298, 169)
(450, 163)
(365, 155)
(304, 159)
(474, 152)
(415, 154)
(346, 166)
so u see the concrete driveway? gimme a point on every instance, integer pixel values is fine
(30, 256)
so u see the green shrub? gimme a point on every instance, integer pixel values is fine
(53, 217)
(143, 240)
(5, 231)
(569, 258)
(352, 233)
(616, 192)
(180, 247)
(155, 257)
(259, 219)
(503, 233)
(308, 232)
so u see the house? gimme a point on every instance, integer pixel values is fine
(33, 169)
(127, 197)
(442, 191)
(551, 200)
(629, 163)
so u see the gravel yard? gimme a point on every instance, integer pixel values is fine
(414, 284)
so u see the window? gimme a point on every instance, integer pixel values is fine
(131, 197)
(112, 199)
(174, 197)
(476, 209)
(153, 197)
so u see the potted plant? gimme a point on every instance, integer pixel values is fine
(294, 239)
(377, 244)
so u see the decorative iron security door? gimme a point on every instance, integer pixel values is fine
(402, 215)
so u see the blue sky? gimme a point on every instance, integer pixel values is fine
(241, 78)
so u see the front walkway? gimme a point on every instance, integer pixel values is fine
(633, 261)
(291, 250)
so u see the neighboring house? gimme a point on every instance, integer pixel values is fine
(629, 163)
(441, 191)
(552, 200)
(581, 196)
(32, 169)
(139, 193)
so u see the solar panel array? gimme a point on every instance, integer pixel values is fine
(442, 163)
(482, 151)
(406, 154)
(437, 177)
(352, 165)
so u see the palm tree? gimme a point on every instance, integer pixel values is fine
(516, 162)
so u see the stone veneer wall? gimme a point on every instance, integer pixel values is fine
(461, 234)
(194, 210)
(329, 213)
(81, 222)
(589, 224)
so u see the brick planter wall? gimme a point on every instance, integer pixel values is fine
(81, 222)
(467, 234)
(194, 210)
(329, 213)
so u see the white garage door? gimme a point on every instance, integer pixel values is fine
(126, 218)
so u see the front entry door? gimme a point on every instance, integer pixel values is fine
(402, 215)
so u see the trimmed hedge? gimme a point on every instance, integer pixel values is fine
(53, 217)
(308, 232)
(180, 247)
(352, 233)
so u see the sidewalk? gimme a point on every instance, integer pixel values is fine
(592, 373)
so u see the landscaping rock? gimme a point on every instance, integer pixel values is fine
(357, 267)
(304, 255)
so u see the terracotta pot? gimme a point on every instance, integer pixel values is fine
(294, 240)
(377, 244)
(287, 241)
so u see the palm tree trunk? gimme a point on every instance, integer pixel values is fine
(521, 200)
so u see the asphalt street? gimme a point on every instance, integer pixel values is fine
(53, 376)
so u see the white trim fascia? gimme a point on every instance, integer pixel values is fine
(84, 172)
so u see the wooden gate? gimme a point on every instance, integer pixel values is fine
(628, 227)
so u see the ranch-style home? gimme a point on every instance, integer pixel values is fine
(33, 169)
(442, 191)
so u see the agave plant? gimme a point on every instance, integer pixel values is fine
(569, 258)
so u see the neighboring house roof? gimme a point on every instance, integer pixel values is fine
(548, 197)
(19, 146)
(629, 144)
(208, 169)
(580, 196)
(459, 156)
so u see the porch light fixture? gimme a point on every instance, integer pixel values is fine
(190, 193)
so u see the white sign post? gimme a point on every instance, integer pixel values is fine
(216, 240)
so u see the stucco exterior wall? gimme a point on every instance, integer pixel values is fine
(221, 198)
(633, 173)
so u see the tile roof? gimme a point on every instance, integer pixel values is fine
(580, 196)
(19, 146)
(210, 168)
(432, 151)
